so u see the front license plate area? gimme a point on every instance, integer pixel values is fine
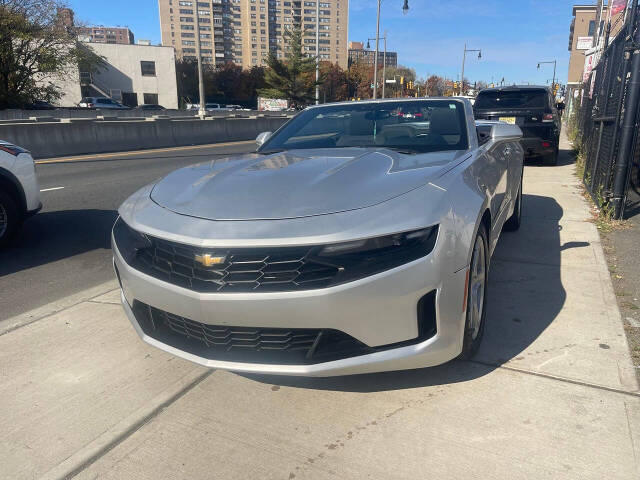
(511, 120)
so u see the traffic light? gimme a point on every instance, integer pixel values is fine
(401, 80)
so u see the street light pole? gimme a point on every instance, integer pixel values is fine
(317, 52)
(201, 109)
(464, 58)
(553, 84)
(405, 9)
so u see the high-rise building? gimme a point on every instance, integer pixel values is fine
(245, 31)
(102, 34)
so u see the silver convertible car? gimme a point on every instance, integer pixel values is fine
(357, 238)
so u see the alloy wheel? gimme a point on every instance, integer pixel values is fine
(477, 285)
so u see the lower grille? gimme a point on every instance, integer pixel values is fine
(267, 345)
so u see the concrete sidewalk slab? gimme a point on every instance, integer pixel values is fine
(460, 420)
(551, 308)
(68, 378)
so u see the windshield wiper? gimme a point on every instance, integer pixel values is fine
(270, 152)
(404, 150)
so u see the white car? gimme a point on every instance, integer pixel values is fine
(19, 190)
(101, 103)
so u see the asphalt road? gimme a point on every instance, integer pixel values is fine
(66, 247)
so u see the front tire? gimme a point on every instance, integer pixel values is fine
(476, 295)
(9, 218)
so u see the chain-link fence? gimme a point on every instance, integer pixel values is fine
(604, 120)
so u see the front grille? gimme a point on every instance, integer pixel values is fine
(292, 346)
(279, 269)
(247, 344)
(268, 269)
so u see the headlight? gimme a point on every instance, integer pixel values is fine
(128, 241)
(361, 258)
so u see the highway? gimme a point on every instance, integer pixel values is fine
(66, 247)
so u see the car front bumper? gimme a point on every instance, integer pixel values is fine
(378, 310)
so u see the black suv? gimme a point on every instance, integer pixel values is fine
(533, 109)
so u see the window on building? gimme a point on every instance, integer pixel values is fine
(148, 69)
(151, 98)
(130, 99)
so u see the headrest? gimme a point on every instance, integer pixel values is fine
(444, 121)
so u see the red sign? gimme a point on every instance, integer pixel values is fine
(618, 6)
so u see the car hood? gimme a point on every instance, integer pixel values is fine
(297, 183)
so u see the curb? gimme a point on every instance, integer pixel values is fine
(24, 319)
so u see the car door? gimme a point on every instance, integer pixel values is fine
(501, 154)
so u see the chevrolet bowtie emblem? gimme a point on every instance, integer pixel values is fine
(208, 260)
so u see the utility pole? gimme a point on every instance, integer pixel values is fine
(384, 61)
(375, 60)
(317, 52)
(201, 110)
(384, 64)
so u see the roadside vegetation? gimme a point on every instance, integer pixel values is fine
(37, 50)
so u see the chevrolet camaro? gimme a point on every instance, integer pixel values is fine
(357, 238)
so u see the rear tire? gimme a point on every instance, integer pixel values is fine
(513, 222)
(476, 295)
(551, 160)
(9, 218)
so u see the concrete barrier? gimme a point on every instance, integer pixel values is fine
(84, 136)
(15, 114)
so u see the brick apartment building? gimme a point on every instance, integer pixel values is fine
(359, 54)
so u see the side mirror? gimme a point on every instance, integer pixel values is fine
(505, 131)
(262, 138)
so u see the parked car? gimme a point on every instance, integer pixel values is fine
(19, 190)
(533, 109)
(207, 106)
(102, 103)
(233, 107)
(149, 106)
(352, 241)
(40, 105)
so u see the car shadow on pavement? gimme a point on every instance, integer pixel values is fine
(52, 236)
(525, 295)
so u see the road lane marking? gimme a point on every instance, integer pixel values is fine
(134, 153)
(51, 189)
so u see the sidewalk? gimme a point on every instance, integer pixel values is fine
(552, 393)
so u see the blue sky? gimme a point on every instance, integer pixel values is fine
(513, 34)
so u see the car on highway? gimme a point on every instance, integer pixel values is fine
(149, 106)
(207, 106)
(19, 190)
(353, 240)
(101, 103)
(533, 109)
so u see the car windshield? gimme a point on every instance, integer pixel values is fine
(407, 126)
(502, 99)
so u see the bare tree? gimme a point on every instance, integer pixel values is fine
(37, 49)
